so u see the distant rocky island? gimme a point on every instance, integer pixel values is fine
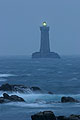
(45, 45)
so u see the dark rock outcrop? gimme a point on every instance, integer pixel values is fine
(16, 98)
(13, 88)
(71, 117)
(18, 88)
(68, 99)
(50, 93)
(62, 118)
(74, 117)
(46, 115)
(6, 87)
(49, 115)
(13, 98)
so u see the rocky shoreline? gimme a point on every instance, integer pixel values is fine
(49, 115)
(45, 115)
(23, 89)
(19, 88)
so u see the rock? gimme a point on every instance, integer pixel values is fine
(46, 115)
(13, 88)
(68, 99)
(49, 115)
(71, 117)
(35, 89)
(18, 88)
(74, 117)
(6, 87)
(62, 118)
(6, 96)
(16, 98)
(1, 100)
(13, 98)
(50, 93)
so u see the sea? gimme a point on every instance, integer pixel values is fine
(60, 76)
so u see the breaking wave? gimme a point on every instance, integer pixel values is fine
(6, 75)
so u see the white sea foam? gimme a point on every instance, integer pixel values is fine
(41, 100)
(6, 75)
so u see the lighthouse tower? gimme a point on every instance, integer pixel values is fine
(45, 45)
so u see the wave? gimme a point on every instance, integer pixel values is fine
(2, 80)
(6, 75)
(75, 73)
(73, 79)
(30, 105)
(42, 98)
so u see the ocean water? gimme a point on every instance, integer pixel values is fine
(60, 76)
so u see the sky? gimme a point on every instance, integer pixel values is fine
(20, 22)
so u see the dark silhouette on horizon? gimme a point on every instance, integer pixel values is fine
(45, 45)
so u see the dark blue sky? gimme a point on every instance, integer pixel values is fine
(20, 21)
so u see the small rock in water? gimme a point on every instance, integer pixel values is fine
(68, 99)
(35, 89)
(50, 93)
(46, 115)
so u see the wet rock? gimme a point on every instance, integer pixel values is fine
(13, 98)
(13, 88)
(6, 87)
(35, 89)
(74, 117)
(50, 93)
(18, 88)
(49, 115)
(16, 98)
(62, 118)
(68, 99)
(6, 96)
(1, 100)
(71, 117)
(46, 115)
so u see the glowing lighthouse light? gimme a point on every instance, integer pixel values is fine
(44, 24)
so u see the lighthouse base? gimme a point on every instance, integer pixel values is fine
(45, 55)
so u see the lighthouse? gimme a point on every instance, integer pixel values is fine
(44, 44)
